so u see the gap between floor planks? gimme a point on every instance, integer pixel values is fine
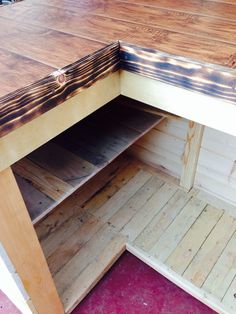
(169, 227)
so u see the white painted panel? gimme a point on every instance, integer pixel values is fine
(11, 284)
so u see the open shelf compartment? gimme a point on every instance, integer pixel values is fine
(54, 171)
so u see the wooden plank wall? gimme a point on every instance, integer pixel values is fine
(163, 148)
(216, 170)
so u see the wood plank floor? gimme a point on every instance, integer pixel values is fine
(182, 235)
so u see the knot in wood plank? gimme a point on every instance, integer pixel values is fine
(60, 77)
(232, 61)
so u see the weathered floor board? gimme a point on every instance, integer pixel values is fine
(178, 233)
(60, 167)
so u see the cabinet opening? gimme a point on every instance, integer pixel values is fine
(54, 171)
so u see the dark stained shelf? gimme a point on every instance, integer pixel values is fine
(54, 171)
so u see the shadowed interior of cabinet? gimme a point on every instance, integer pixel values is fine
(90, 201)
(55, 170)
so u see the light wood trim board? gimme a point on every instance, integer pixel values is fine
(206, 110)
(37, 132)
(194, 106)
(20, 241)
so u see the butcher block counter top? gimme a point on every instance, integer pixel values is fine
(38, 38)
(45, 35)
(65, 68)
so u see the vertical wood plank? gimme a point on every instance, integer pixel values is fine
(21, 243)
(191, 154)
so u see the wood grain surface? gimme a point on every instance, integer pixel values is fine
(180, 234)
(189, 35)
(38, 37)
(211, 80)
(27, 103)
(54, 171)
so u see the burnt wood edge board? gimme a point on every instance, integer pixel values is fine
(209, 79)
(25, 104)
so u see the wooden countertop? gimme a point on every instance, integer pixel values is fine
(39, 37)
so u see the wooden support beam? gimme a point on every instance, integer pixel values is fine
(19, 239)
(191, 154)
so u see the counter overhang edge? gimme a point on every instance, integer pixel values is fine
(28, 103)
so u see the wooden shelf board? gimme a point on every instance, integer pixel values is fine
(148, 214)
(54, 171)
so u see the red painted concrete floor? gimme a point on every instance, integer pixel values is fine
(6, 307)
(131, 287)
